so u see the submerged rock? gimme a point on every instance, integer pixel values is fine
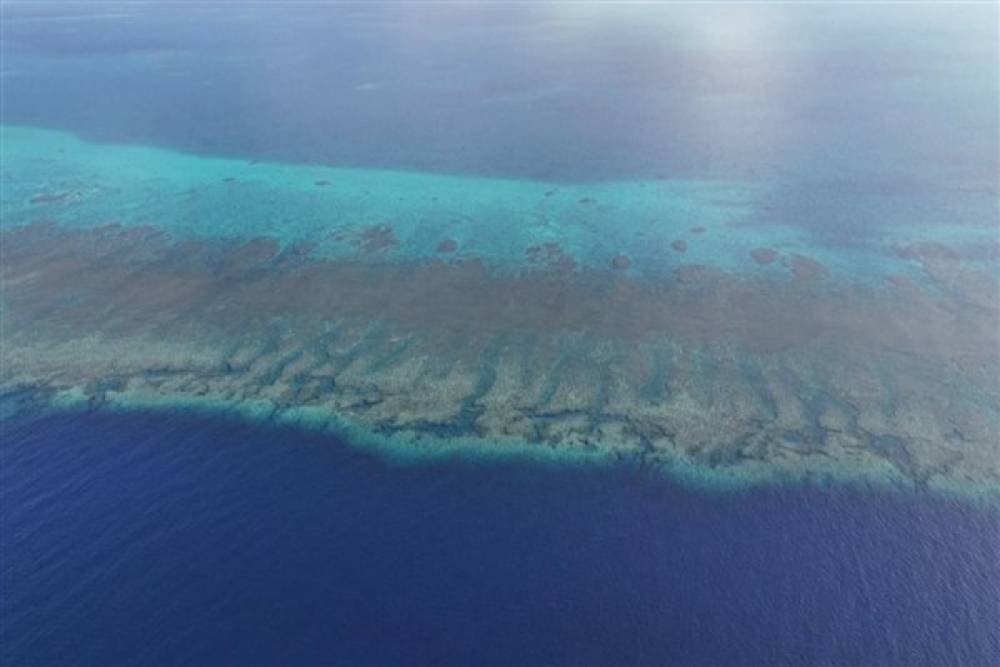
(764, 255)
(927, 250)
(377, 237)
(621, 262)
(254, 252)
(806, 268)
(49, 198)
(448, 245)
(565, 264)
(680, 245)
(549, 252)
(695, 273)
(299, 249)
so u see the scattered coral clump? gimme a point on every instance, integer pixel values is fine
(50, 197)
(621, 262)
(806, 268)
(764, 255)
(377, 237)
(552, 255)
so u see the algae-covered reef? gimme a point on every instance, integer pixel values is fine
(751, 375)
(653, 320)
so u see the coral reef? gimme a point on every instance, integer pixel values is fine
(708, 370)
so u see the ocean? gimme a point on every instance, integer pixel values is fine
(137, 539)
(513, 334)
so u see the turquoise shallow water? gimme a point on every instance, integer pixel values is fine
(495, 219)
(56, 176)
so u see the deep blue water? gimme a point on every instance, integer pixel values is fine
(160, 540)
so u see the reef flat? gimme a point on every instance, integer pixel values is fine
(632, 320)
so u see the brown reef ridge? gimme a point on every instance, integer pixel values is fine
(726, 372)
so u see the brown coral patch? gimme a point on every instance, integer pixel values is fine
(621, 262)
(696, 273)
(806, 268)
(764, 255)
(927, 250)
(254, 253)
(49, 198)
(550, 253)
(377, 237)
(565, 264)
(297, 251)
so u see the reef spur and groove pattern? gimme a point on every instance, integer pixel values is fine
(718, 374)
